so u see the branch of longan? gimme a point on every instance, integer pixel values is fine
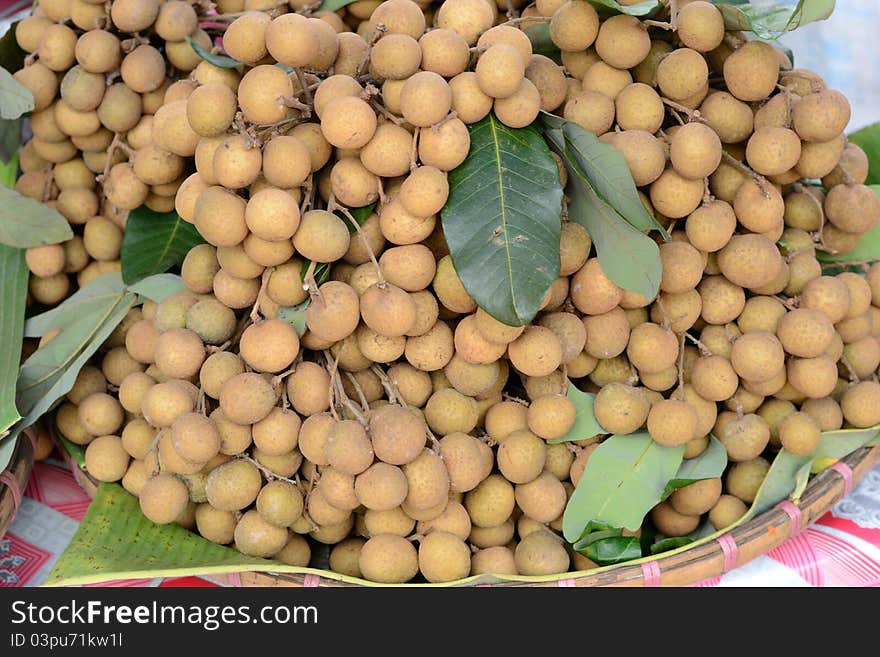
(666, 321)
(202, 402)
(310, 285)
(264, 283)
(332, 206)
(789, 302)
(736, 164)
(379, 107)
(116, 143)
(704, 350)
(435, 444)
(436, 127)
(136, 40)
(365, 405)
(390, 389)
(347, 402)
(332, 367)
(294, 103)
(378, 31)
(228, 18)
(414, 152)
(304, 87)
(47, 186)
(853, 375)
(271, 476)
(693, 115)
(708, 197)
(151, 449)
(531, 19)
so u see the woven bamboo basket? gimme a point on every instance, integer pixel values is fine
(682, 567)
(14, 479)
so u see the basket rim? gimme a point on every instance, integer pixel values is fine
(681, 567)
(20, 467)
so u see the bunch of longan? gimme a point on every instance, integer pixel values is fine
(98, 72)
(407, 428)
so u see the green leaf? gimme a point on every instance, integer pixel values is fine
(542, 44)
(833, 445)
(334, 5)
(116, 541)
(7, 449)
(25, 222)
(606, 7)
(708, 465)
(154, 242)
(77, 452)
(670, 544)
(15, 98)
(606, 169)
(295, 316)
(868, 247)
(770, 21)
(624, 479)
(502, 221)
(90, 299)
(585, 424)
(217, 60)
(868, 139)
(10, 140)
(591, 537)
(9, 169)
(51, 371)
(158, 286)
(11, 54)
(616, 549)
(14, 279)
(641, 269)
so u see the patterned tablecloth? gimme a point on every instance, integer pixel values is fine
(841, 549)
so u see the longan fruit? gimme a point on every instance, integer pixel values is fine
(218, 368)
(432, 350)
(829, 295)
(308, 388)
(443, 557)
(321, 236)
(215, 525)
(468, 18)
(799, 433)
(260, 94)
(639, 107)
(743, 479)
(536, 352)
(730, 118)
(424, 191)
(388, 558)
(574, 26)
(592, 292)
(744, 438)
(726, 511)
(45, 260)
(90, 379)
(468, 100)
(106, 459)
(286, 161)
(805, 332)
(682, 267)
(818, 159)
(622, 41)
(591, 110)
(387, 153)
(443, 52)
(813, 377)
(100, 414)
(821, 116)
(682, 74)
(675, 196)
(670, 522)
(695, 151)
(520, 108)
(42, 83)
(449, 289)
(381, 486)
(859, 404)
(751, 72)
(621, 408)
(247, 398)
(165, 402)
(427, 481)
(757, 356)
(541, 553)
(233, 485)
(163, 498)
(446, 147)
(348, 122)
(700, 26)
(853, 162)
(269, 346)
(714, 378)
(56, 47)
(256, 537)
(245, 38)
(852, 208)
(672, 422)
(179, 353)
(210, 109)
(644, 155)
(749, 260)
(490, 503)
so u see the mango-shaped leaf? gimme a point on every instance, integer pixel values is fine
(613, 549)
(15, 98)
(708, 465)
(91, 298)
(25, 222)
(158, 286)
(503, 220)
(10, 140)
(51, 371)
(77, 452)
(154, 242)
(868, 138)
(673, 542)
(542, 44)
(222, 61)
(833, 445)
(295, 316)
(624, 479)
(609, 175)
(607, 7)
(14, 281)
(585, 424)
(868, 247)
(641, 269)
(772, 20)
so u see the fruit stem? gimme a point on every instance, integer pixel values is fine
(413, 154)
(334, 365)
(332, 205)
(388, 384)
(360, 392)
(377, 34)
(255, 310)
(304, 87)
(736, 164)
(271, 476)
(704, 350)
